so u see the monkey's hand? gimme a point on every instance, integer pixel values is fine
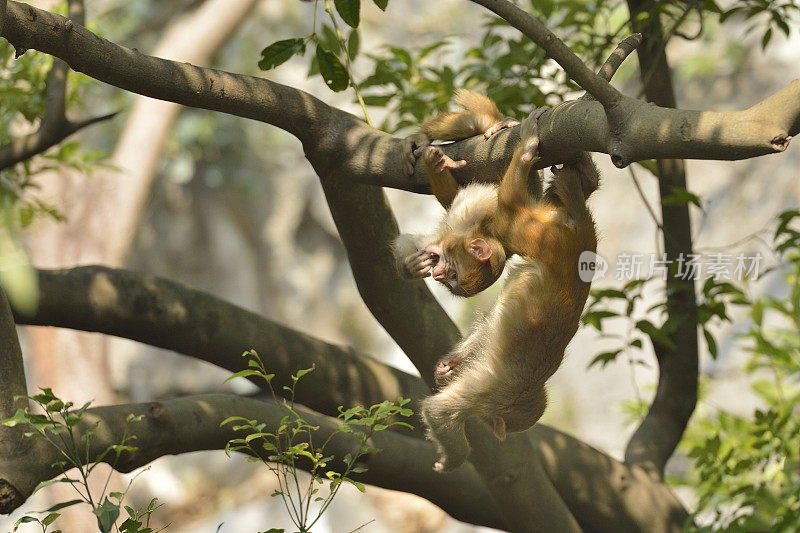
(437, 161)
(418, 264)
(500, 126)
(413, 145)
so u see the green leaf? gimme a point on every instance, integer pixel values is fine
(655, 334)
(381, 4)
(595, 318)
(766, 38)
(349, 11)
(604, 358)
(353, 44)
(280, 52)
(302, 372)
(63, 505)
(681, 196)
(712, 344)
(107, 514)
(25, 520)
(50, 518)
(332, 70)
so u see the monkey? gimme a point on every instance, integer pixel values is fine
(480, 116)
(481, 260)
(497, 373)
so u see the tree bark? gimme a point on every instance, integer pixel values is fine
(371, 157)
(14, 391)
(602, 494)
(654, 441)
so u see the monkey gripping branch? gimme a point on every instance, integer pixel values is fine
(532, 477)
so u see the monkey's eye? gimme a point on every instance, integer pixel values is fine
(453, 277)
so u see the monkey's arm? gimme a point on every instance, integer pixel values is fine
(513, 192)
(437, 168)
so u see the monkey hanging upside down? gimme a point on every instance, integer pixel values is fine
(498, 371)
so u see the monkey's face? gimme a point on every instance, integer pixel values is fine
(466, 266)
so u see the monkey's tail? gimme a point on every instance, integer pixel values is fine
(480, 113)
(477, 104)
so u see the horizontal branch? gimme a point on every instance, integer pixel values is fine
(372, 157)
(192, 424)
(161, 313)
(169, 315)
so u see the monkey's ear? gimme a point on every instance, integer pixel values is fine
(480, 249)
(499, 427)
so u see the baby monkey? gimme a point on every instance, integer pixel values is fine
(460, 254)
(497, 373)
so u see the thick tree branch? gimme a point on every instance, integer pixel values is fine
(192, 423)
(654, 441)
(14, 390)
(368, 156)
(169, 315)
(410, 314)
(603, 494)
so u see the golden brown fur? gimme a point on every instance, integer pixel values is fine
(498, 372)
(480, 114)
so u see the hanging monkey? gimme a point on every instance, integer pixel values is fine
(497, 373)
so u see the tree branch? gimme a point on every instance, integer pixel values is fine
(618, 56)
(654, 441)
(597, 86)
(415, 320)
(14, 390)
(192, 424)
(604, 494)
(43, 139)
(168, 315)
(371, 157)
(55, 127)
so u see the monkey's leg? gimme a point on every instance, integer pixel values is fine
(444, 417)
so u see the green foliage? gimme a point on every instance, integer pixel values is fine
(746, 470)
(290, 445)
(58, 425)
(23, 93)
(764, 16)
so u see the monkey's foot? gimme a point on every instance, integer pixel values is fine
(446, 371)
(437, 161)
(530, 135)
(500, 126)
(413, 145)
(450, 462)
